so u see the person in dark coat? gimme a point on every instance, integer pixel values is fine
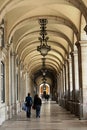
(37, 104)
(28, 101)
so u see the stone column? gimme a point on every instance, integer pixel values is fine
(1, 33)
(64, 84)
(76, 76)
(23, 88)
(70, 76)
(82, 48)
(27, 83)
(67, 86)
(74, 56)
(22, 91)
(13, 83)
(1, 112)
(73, 77)
(59, 89)
(10, 85)
(62, 87)
(7, 86)
(66, 78)
(70, 82)
(19, 87)
(65, 90)
(0, 75)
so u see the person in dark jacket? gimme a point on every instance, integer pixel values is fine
(37, 104)
(28, 101)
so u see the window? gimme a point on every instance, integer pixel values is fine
(2, 82)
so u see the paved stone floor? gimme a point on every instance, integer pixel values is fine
(53, 117)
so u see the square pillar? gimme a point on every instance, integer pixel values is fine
(82, 61)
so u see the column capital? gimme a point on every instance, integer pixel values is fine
(1, 32)
(81, 43)
(66, 62)
(77, 44)
(73, 53)
(1, 27)
(13, 54)
(63, 65)
(69, 60)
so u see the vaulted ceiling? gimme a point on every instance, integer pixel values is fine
(63, 29)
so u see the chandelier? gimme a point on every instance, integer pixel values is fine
(43, 48)
(43, 70)
(44, 82)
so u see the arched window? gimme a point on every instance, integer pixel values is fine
(2, 82)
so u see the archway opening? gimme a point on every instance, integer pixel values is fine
(44, 91)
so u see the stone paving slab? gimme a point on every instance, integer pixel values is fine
(53, 117)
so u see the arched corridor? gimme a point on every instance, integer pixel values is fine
(43, 50)
(53, 117)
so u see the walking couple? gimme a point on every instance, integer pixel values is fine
(36, 104)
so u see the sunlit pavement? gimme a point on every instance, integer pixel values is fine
(53, 117)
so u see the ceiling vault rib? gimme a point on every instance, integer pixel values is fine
(66, 22)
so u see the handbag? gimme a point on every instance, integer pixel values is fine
(34, 107)
(24, 108)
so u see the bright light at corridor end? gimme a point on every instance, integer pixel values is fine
(42, 90)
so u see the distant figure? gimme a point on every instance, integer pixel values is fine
(37, 104)
(47, 97)
(28, 101)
